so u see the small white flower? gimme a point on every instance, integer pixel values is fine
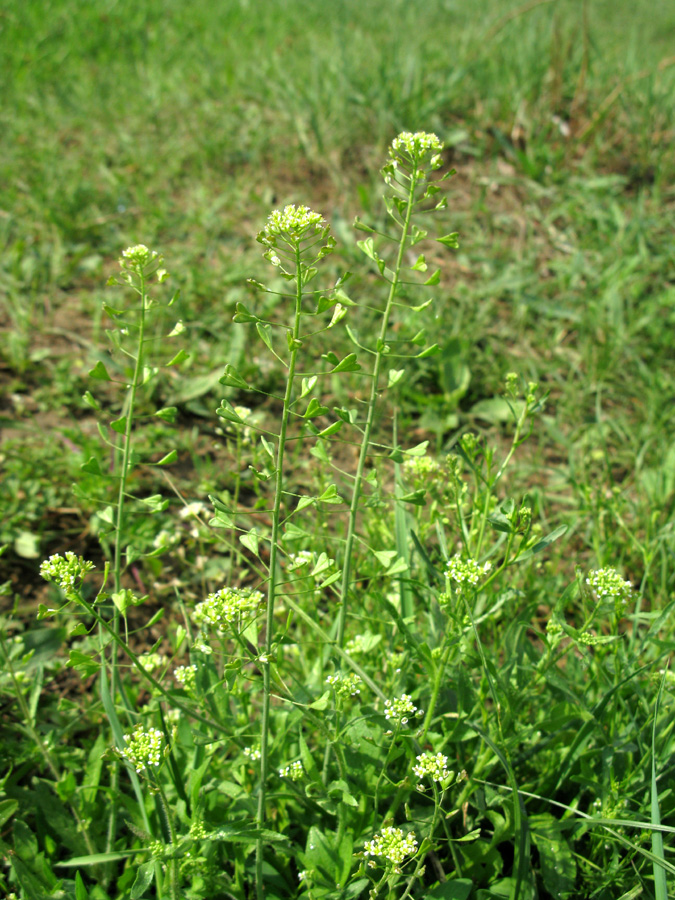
(400, 708)
(435, 766)
(294, 771)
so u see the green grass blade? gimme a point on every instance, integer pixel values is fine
(660, 886)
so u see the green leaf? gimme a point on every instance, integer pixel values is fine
(307, 386)
(180, 357)
(323, 562)
(82, 663)
(7, 810)
(221, 520)
(90, 400)
(111, 311)
(385, 557)
(241, 312)
(430, 351)
(144, 878)
(356, 888)
(99, 372)
(170, 457)
(322, 703)
(556, 861)
(250, 540)
(107, 514)
(361, 226)
(119, 425)
(330, 495)
(331, 429)
(330, 580)
(543, 543)
(226, 411)
(125, 598)
(314, 409)
(457, 889)
(449, 240)
(348, 364)
(94, 859)
(417, 498)
(264, 332)
(434, 279)
(81, 892)
(293, 532)
(307, 758)
(167, 414)
(156, 502)
(91, 466)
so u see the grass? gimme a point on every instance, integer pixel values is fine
(182, 128)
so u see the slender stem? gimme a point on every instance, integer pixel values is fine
(271, 585)
(438, 678)
(164, 803)
(117, 557)
(372, 401)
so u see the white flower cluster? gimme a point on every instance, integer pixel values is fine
(300, 559)
(252, 753)
(400, 709)
(226, 606)
(193, 510)
(417, 143)
(465, 573)
(345, 685)
(294, 771)
(187, 676)
(65, 571)
(392, 844)
(607, 584)
(143, 748)
(294, 223)
(416, 146)
(435, 766)
(166, 539)
(152, 661)
(141, 261)
(421, 467)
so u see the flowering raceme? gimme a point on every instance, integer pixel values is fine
(142, 748)
(66, 570)
(435, 766)
(392, 844)
(226, 606)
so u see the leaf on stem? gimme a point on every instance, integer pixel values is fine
(180, 357)
(99, 372)
(232, 378)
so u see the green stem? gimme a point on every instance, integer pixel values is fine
(370, 417)
(271, 589)
(438, 678)
(119, 523)
(172, 837)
